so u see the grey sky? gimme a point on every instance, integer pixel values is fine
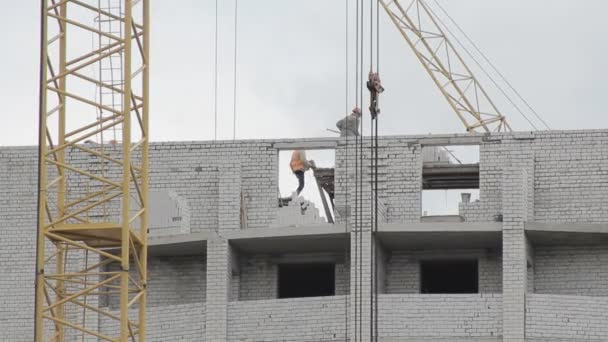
(291, 67)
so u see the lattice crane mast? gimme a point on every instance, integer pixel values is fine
(92, 203)
(419, 26)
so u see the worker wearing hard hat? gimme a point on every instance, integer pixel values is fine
(349, 126)
(299, 164)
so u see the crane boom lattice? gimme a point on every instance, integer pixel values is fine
(91, 267)
(419, 26)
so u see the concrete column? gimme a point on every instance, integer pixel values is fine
(360, 275)
(218, 288)
(515, 213)
(356, 211)
(229, 201)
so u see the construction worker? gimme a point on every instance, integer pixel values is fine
(349, 126)
(299, 164)
(375, 88)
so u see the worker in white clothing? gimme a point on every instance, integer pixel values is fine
(349, 126)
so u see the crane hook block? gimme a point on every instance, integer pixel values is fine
(375, 88)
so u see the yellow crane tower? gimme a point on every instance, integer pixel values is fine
(92, 220)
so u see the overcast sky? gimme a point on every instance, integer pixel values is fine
(291, 74)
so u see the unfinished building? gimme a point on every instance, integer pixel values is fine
(527, 261)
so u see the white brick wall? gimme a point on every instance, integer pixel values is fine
(570, 173)
(438, 315)
(182, 322)
(399, 178)
(191, 169)
(18, 181)
(171, 280)
(571, 270)
(567, 167)
(571, 318)
(294, 319)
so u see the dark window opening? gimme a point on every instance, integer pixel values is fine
(449, 276)
(306, 280)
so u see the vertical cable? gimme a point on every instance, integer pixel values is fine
(356, 242)
(215, 74)
(41, 142)
(372, 236)
(376, 231)
(236, 7)
(371, 34)
(378, 36)
(371, 147)
(360, 180)
(346, 245)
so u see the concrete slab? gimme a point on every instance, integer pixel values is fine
(323, 238)
(425, 227)
(175, 245)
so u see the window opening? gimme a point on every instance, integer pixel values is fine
(306, 280)
(449, 276)
(315, 202)
(450, 175)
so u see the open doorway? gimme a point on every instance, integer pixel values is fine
(315, 201)
(450, 175)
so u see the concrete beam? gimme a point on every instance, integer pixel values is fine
(323, 229)
(307, 145)
(553, 238)
(472, 139)
(335, 258)
(326, 238)
(426, 227)
(440, 240)
(599, 228)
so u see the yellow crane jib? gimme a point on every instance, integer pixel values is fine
(420, 28)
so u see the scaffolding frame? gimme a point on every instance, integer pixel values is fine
(92, 244)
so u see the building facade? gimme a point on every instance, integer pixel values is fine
(527, 261)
